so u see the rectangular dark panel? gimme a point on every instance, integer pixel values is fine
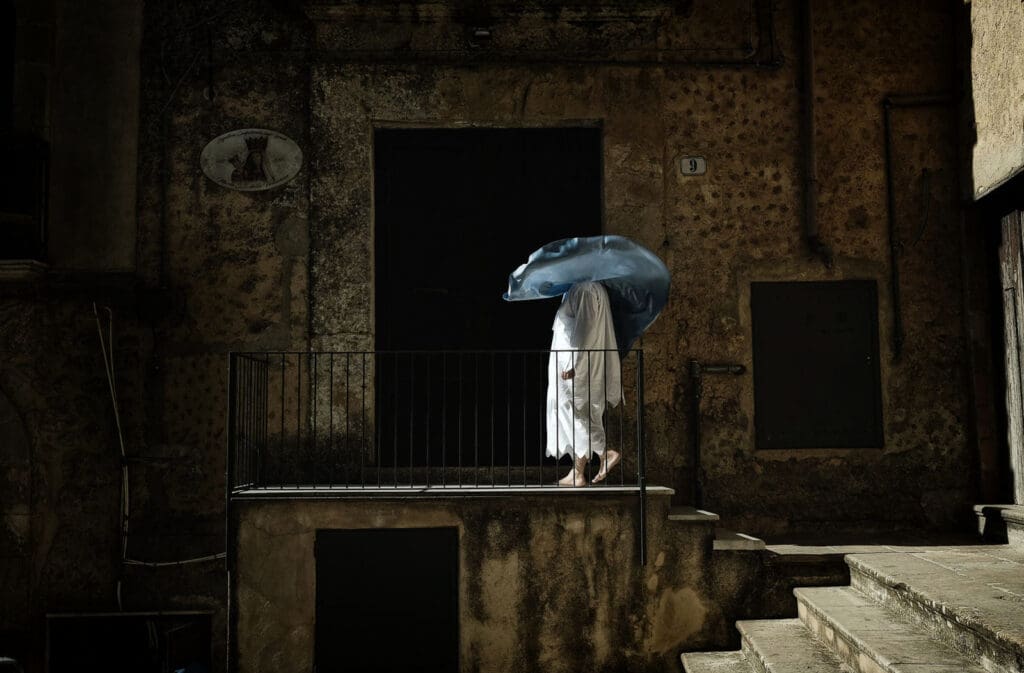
(128, 642)
(456, 211)
(816, 371)
(387, 600)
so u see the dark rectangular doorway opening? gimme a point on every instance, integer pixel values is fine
(816, 366)
(387, 600)
(456, 211)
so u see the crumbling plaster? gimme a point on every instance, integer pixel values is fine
(548, 583)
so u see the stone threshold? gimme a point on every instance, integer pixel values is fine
(449, 491)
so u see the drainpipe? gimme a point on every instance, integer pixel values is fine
(895, 245)
(808, 130)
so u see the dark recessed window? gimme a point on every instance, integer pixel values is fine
(816, 372)
(387, 600)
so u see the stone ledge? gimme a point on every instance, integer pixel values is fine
(727, 540)
(1001, 523)
(692, 514)
(403, 492)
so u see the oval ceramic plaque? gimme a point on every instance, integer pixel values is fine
(251, 160)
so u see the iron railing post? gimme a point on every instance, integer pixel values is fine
(641, 455)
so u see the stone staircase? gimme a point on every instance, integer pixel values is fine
(908, 609)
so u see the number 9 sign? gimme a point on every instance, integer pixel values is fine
(693, 165)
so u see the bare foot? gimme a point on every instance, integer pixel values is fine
(609, 460)
(576, 476)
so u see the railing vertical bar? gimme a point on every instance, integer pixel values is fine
(394, 423)
(378, 397)
(412, 410)
(572, 411)
(541, 421)
(461, 357)
(444, 419)
(266, 422)
(250, 412)
(257, 422)
(641, 466)
(426, 425)
(330, 415)
(281, 450)
(348, 418)
(491, 426)
(523, 396)
(555, 380)
(314, 438)
(298, 418)
(622, 423)
(232, 421)
(590, 425)
(362, 427)
(243, 421)
(476, 419)
(508, 416)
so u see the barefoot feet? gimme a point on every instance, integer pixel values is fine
(609, 460)
(576, 476)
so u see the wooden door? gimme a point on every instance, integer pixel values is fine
(1010, 254)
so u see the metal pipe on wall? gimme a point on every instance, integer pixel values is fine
(808, 128)
(895, 245)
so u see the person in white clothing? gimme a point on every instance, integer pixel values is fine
(583, 376)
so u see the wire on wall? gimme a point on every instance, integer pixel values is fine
(107, 348)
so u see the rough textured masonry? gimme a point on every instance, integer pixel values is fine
(202, 270)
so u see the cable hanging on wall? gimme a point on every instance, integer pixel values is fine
(107, 348)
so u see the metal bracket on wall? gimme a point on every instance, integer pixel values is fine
(697, 371)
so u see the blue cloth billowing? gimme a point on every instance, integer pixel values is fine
(636, 279)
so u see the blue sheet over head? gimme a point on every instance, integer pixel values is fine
(636, 279)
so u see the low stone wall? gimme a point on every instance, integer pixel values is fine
(547, 582)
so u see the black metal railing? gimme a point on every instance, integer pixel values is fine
(427, 419)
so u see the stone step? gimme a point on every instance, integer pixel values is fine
(970, 598)
(869, 639)
(692, 515)
(716, 662)
(727, 540)
(784, 646)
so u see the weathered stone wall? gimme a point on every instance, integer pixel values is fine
(216, 270)
(996, 104)
(546, 583)
(739, 223)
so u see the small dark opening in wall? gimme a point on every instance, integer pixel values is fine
(129, 642)
(816, 365)
(387, 600)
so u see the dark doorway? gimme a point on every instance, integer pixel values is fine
(456, 211)
(387, 600)
(816, 369)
